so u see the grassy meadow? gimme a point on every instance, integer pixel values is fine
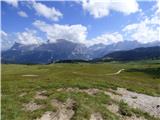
(141, 77)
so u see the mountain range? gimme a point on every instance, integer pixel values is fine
(64, 50)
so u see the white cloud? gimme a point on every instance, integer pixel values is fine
(147, 30)
(107, 38)
(97, 9)
(47, 12)
(14, 3)
(125, 6)
(28, 37)
(40, 8)
(142, 32)
(22, 14)
(101, 8)
(74, 33)
(6, 43)
(158, 6)
(3, 33)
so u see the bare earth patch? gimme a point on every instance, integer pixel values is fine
(22, 94)
(143, 102)
(47, 116)
(64, 111)
(133, 117)
(91, 91)
(40, 95)
(96, 116)
(31, 106)
(30, 75)
(115, 109)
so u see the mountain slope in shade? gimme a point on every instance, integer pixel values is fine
(124, 45)
(135, 54)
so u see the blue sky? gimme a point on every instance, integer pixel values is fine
(102, 24)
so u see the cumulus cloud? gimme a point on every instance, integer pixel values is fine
(147, 30)
(96, 9)
(47, 12)
(3, 33)
(28, 37)
(74, 33)
(14, 3)
(22, 14)
(107, 38)
(6, 43)
(158, 6)
(142, 32)
(40, 8)
(101, 8)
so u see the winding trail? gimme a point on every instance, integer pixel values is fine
(116, 73)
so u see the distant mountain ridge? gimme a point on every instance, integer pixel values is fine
(124, 45)
(135, 54)
(63, 50)
(44, 53)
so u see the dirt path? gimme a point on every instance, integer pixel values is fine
(116, 73)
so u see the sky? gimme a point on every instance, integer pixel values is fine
(87, 21)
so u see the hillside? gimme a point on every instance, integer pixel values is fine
(135, 54)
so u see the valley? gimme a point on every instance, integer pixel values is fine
(80, 60)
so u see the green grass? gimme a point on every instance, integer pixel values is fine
(138, 77)
(124, 109)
